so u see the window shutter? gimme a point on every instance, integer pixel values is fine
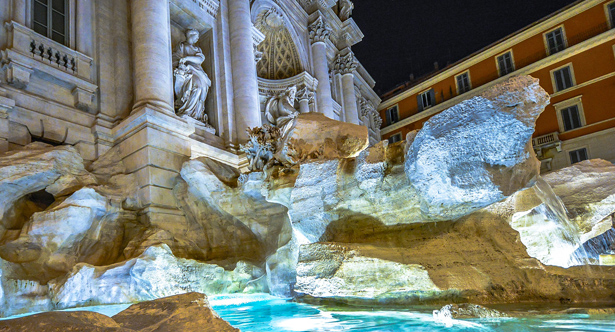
(420, 103)
(388, 115)
(432, 97)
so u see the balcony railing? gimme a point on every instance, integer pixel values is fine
(545, 139)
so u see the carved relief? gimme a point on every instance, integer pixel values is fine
(319, 31)
(191, 82)
(280, 110)
(346, 64)
(346, 7)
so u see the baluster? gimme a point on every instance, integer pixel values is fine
(58, 58)
(33, 47)
(41, 50)
(65, 60)
(73, 64)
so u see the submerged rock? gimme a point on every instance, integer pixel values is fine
(466, 310)
(477, 152)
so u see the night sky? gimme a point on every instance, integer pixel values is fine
(408, 36)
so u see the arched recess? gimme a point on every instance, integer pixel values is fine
(282, 56)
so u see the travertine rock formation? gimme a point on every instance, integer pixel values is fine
(477, 152)
(154, 274)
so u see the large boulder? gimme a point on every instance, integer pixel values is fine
(477, 152)
(31, 170)
(314, 136)
(187, 312)
(155, 274)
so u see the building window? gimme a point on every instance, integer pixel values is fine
(556, 40)
(392, 115)
(570, 114)
(463, 82)
(426, 99)
(563, 78)
(578, 155)
(505, 63)
(50, 19)
(571, 118)
(395, 138)
(610, 13)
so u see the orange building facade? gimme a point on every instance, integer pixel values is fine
(571, 52)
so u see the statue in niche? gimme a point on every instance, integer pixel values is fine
(346, 7)
(191, 82)
(280, 111)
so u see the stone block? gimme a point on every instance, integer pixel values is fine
(157, 196)
(156, 176)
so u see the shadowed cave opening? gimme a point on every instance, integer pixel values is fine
(15, 218)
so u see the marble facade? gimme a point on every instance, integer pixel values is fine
(110, 86)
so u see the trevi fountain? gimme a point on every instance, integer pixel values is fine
(290, 215)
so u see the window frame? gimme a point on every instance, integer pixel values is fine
(398, 134)
(469, 82)
(67, 20)
(576, 101)
(610, 20)
(546, 40)
(512, 59)
(387, 117)
(427, 92)
(572, 77)
(587, 154)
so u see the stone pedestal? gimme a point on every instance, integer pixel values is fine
(153, 146)
(245, 84)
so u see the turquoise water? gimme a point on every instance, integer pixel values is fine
(255, 313)
(271, 314)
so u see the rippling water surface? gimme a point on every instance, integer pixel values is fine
(261, 313)
(255, 313)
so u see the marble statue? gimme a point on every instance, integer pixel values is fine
(280, 111)
(191, 82)
(346, 7)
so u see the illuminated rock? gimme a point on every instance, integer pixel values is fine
(34, 168)
(187, 312)
(155, 274)
(332, 271)
(477, 152)
(587, 191)
(76, 321)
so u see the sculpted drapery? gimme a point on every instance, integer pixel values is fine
(191, 82)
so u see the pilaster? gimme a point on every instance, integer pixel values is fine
(319, 34)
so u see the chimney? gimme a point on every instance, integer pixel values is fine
(411, 77)
(436, 66)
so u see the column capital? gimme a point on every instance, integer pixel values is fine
(305, 94)
(346, 64)
(319, 31)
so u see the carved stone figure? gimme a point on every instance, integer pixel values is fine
(262, 146)
(280, 111)
(191, 82)
(346, 7)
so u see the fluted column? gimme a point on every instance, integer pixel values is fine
(84, 27)
(245, 84)
(19, 11)
(152, 55)
(346, 65)
(319, 33)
